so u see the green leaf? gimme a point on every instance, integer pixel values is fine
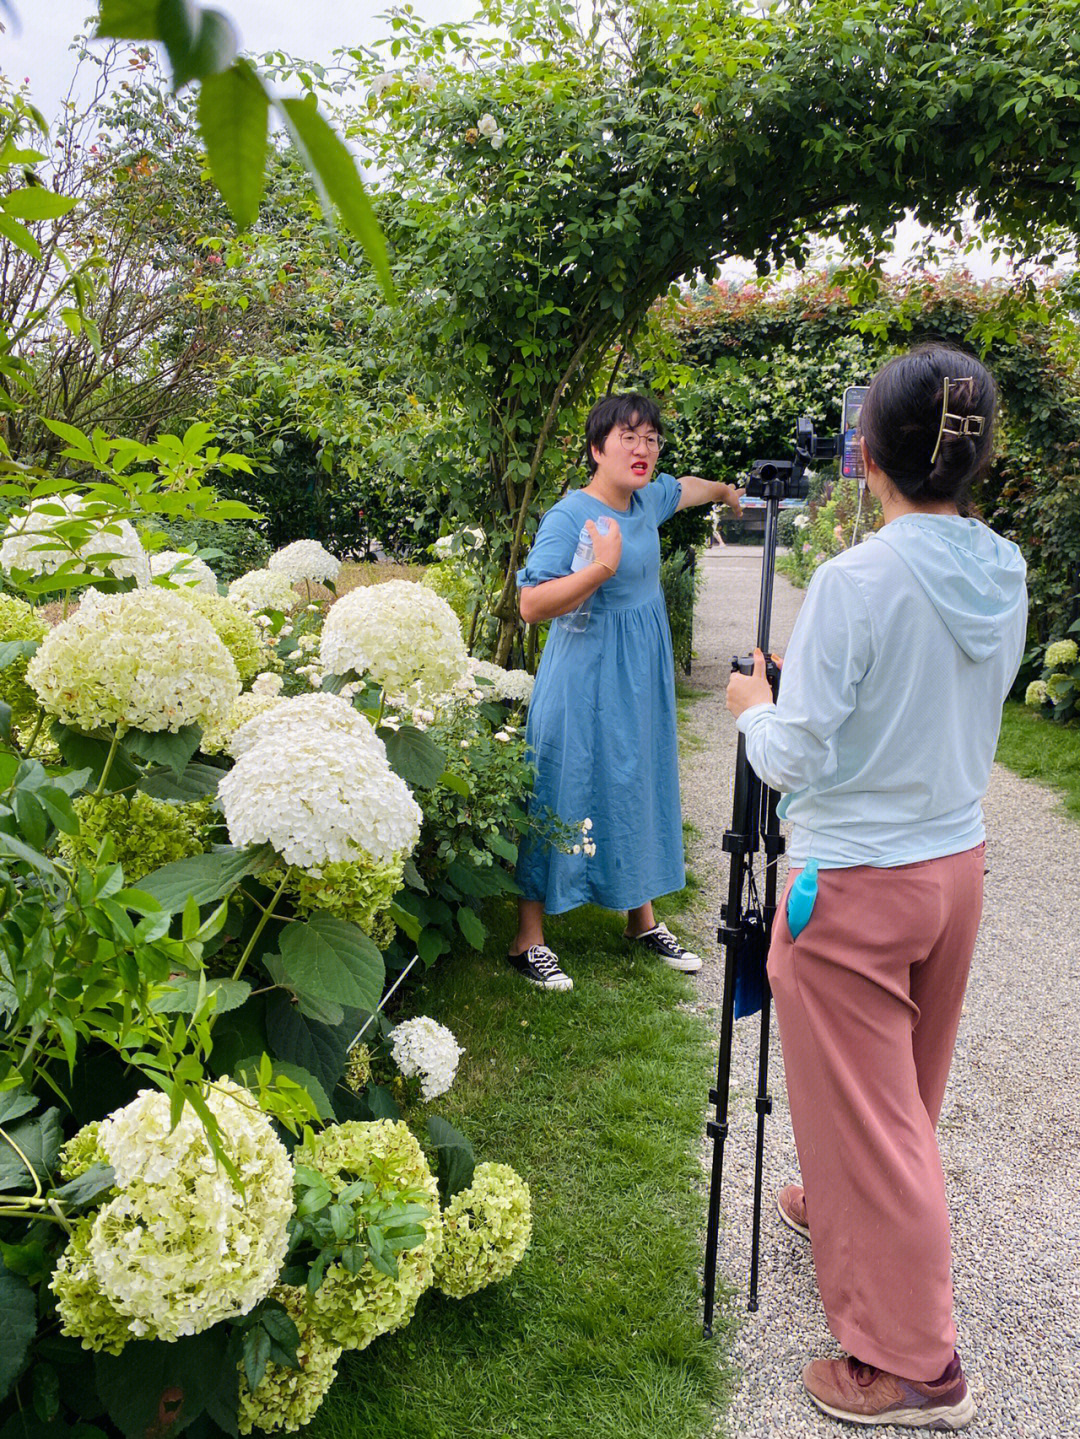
(95, 1181)
(449, 780)
(91, 751)
(200, 42)
(12, 650)
(412, 877)
(154, 1388)
(333, 959)
(37, 203)
(334, 169)
(164, 748)
(206, 877)
(128, 20)
(471, 927)
(59, 808)
(454, 1155)
(319, 1048)
(183, 996)
(256, 1355)
(39, 1141)
(20, 237)
(19, 1308)
(416, 758)
(480, 880)
(14, 1103)
(198, 781)
(305, 1079)
(234, 112)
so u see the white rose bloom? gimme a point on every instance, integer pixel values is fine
(305, 560)
(423, 81)
(30, 543)
(318, 795)
(498, 139)
(401, 633)
(422, 1047)
(487, 125)
(181, 1247)
(264, 590)
(142, 660)
(183, 570)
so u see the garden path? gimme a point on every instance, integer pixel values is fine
(1012, 1110)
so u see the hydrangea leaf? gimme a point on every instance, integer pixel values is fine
(205, 877)
(14, 1103)
(333, 959)
(197, 782)
(39, 1141)
(471, 927)
(19, 1308)
(183, 997)
(163, 748)
(455, 1158)
(77, 1193)
(319, 1048)
(87, 751)
(152, 1385)
(412, 755)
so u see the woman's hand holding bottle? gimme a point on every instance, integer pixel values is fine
(607, 544)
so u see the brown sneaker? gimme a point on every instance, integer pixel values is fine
(791, 1204)
(861, 1394)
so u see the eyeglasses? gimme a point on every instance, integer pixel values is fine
(630, 440)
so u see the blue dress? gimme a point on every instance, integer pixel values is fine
(601, 728)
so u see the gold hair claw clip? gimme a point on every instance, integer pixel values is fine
(957, 425)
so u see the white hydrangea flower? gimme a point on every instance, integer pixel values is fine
(1061, 652)
(319, 795)
(401, 633)
(264, 590)
(422, 1047)
(321, 711)
(487, 125)
(183, 570)
(305, 560)
(216, 738)
(142, 660)
(460, 542)
(514, 685)
(268, 683)
(26, 544)
(181, 1248)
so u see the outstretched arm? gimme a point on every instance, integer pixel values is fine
(696, 491)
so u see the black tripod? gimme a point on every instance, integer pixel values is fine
(746, 918)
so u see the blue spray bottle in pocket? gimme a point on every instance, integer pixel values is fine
(801, 897)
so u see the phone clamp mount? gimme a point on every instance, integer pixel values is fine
(746, 919)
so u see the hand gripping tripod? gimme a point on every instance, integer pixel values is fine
(746, 919)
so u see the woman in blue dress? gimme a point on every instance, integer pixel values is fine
(602, 717)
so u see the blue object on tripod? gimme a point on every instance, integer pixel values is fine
(751, 953)
(801, 898)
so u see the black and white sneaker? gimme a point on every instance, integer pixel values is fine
(661, 941)
(540, 966)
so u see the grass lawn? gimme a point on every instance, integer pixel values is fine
(1036, 748)
(597, 1098)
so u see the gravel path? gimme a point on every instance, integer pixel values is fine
(1009, 1128)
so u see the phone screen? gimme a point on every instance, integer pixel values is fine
(851, 465)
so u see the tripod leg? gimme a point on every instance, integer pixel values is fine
(773, 845)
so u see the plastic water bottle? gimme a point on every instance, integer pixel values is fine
(801, 898)
(575, 620)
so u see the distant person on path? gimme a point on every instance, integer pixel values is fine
(882, 740)
(601, 728)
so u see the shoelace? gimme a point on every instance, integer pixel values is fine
(544, 960)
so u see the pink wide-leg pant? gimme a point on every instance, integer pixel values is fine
(868, 1002)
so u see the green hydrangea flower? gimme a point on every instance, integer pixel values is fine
(288, 1398)
(1061, 652)
(82, 1151)
(1035, 694)
(358, 1067)
(147, 833)
(1058, 687)
(85, 1312)
(486, 1230)
(359, 890)
(18, 621)
(236, 631)
(353, 1309)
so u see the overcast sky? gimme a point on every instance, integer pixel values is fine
(308, 29)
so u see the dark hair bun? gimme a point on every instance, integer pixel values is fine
(931, 450)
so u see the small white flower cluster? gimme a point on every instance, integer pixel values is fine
(516, 685)
(382, 82)
(186, 571)
(587, 847)
(422, 1047)
(260, 590)
(801, 522)
(304, 560)
(489, 128)
(460, 542)
(142, 660)
(30, 542)
(312, 779)
(180, 1248)
(268, 683)
(401, 633)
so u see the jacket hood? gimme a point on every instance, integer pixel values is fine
(973, 578)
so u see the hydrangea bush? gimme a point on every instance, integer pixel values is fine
(1057, 691)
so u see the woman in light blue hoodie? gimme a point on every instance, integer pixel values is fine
(881, 740)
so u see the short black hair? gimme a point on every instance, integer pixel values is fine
(632, 408)
(901, 423)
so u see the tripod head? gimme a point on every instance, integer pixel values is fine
(787, 479)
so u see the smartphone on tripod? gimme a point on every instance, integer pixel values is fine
(851, 461)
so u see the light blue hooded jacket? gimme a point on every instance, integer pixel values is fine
(890, 699)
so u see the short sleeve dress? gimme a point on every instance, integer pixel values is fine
(601, 727)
